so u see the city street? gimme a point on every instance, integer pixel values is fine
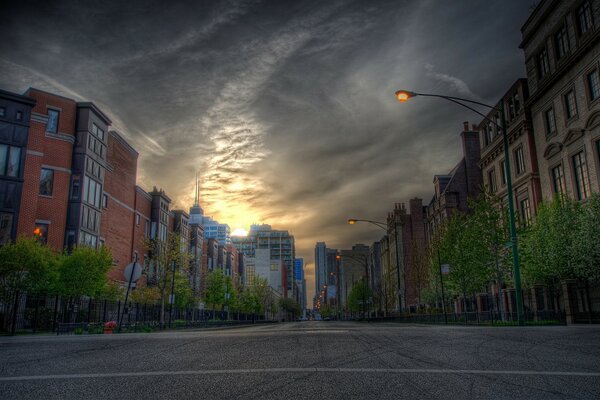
(318, 360)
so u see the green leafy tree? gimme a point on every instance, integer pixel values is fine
(231, 300)
(587, 267)
(163, 256)
(549, 246)
(184, 296)
(461, 247)
(249, 301)
(290, 307)
(215, 289)
(27, 266)
(84, 272)
(359, 296)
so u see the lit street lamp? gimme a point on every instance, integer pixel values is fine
(404, 95)
(383, 226)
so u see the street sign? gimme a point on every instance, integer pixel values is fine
(134, 268)
(445, 269)
(172, 299)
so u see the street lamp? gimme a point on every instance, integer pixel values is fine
(383, 226)
(404, 95)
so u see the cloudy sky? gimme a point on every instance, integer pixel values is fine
(285, 108)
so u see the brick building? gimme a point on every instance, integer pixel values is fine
(126, 208)
(15, 114)
(453, 190)
(406, 233)
(522, 152)
(47, 169)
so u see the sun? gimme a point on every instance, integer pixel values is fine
(239, 232)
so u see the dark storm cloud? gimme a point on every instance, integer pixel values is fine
(285, 107)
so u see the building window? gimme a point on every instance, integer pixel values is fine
(582, 179)
(561, 40)
(104, 201)
(19, 115)
(46, 181)
(550, 122)
(40, 231)
(92, 192)
(584, 18)
(492, 180)
(514, 105)
(525, 209)
(75, 187)
(10, 160)
(594, 85)
(147, 229)
(503, 172)
(570, 104)
(558, 178)
(98, 132)
(519, 161)
(52, 125)
(2, 111)
(543, 63)
(86, 239)
(137, 219)
(6, 223)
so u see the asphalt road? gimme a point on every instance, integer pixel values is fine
(308, 360)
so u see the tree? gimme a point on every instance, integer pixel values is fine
(587, 267)
(359, 296)
(27, 266)
(549, 246)
(164, 258)
(231, 300)
(84, 272)
(290, 307)
(461, 247)
(215, 289)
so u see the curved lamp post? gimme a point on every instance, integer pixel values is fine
(404, 95)
(383, 226)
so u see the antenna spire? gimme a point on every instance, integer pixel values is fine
(196, 200)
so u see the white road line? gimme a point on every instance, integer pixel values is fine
(297, 370)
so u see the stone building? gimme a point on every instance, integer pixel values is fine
(561, 44)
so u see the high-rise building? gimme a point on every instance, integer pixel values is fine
(300, 282)
(320, 266)
(278, 267)
(214, 230)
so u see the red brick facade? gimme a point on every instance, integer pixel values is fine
(52, 151)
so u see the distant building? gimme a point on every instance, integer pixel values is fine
(269, 254)
(300, 282)
(214, 230)
(406, 233)
(353, 267)
(452, 190)
(561, 43)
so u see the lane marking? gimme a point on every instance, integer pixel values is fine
(296, 370)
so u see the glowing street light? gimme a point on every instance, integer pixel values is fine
(403, 95)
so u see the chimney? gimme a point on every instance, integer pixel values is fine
(474, 127)
(466, 126)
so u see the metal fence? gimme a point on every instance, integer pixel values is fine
(547, 317)
(20, 313)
